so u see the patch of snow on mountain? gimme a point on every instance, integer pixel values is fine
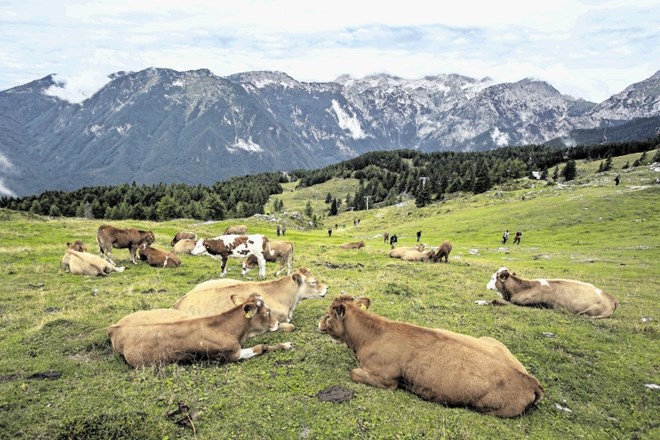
(94, 129)
(348, 122)
(245, 145)
(123, 129)
(501, 139)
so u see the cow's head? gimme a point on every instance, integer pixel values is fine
(258, 315)
(200, 247)
(308, 285)
(496, 282)
(333, 322)
(76, 246)
(148, 237)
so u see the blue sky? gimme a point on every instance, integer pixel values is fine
(590, 49)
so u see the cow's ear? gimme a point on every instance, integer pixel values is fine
(340, 311)
(250, 309)
(363, 302)
(297, 278)
(237, 299)
(68, 244)
(504, 275)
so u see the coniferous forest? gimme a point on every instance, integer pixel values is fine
(384, 177)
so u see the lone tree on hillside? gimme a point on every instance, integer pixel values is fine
(569, 172)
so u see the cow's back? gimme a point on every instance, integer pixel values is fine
(209, 298)
(478, 373)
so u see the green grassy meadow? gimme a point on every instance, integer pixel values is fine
(595, 372)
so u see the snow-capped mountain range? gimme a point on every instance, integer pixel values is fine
(161, 125)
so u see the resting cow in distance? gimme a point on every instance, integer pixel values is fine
(352, 245)
(109, 237)
(575, 296)
(437, 365)
(184, 246)
(84, 263)
(183, 236)
(161, 336)
(236, 230)
(158, 257)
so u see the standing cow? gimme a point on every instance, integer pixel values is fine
(236, 246)
(109, 237)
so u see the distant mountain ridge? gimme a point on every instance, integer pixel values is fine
(161, 125)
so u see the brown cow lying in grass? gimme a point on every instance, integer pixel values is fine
(83, 263)
(437, 365)
(281, 295)
(163, 336)
(183, 236)
(158, 257)
(236, 230)
(400, 252)
(353, 245)
(575, 296)
(443, 251)
(184, 246)
(281, 251)
(418, 256)
(109, 237)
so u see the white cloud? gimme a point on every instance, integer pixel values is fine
(587, 48)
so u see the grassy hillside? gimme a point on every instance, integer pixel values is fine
(594, 372)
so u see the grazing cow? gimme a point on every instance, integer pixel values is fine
(163, 336)
(353, 245)
(184, 246)
(437, 365)
(83, 263)
(443, 251)
(418, 256)
(282, 251)
(575, 296)
(76, 246)
(281, 295)
(109, 237)
(237, 246)
(400, 252)
(183, 236)
(158, 257)
(236, 230)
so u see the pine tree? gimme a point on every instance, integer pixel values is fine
(333, 207)
(309, 211)
(569, 172)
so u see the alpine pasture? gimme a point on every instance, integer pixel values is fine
(59, 377)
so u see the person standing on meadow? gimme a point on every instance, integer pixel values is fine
(419, 235)
(278, 230)
(516, 239)
(505, 237)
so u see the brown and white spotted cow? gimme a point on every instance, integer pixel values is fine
(109, 237)
(158, 257)
(183, 236)
(575, 296)
(236, 230)
(163, 336)
(437, 365)
(236, 246)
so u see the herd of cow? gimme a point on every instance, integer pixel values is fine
(213, 320)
